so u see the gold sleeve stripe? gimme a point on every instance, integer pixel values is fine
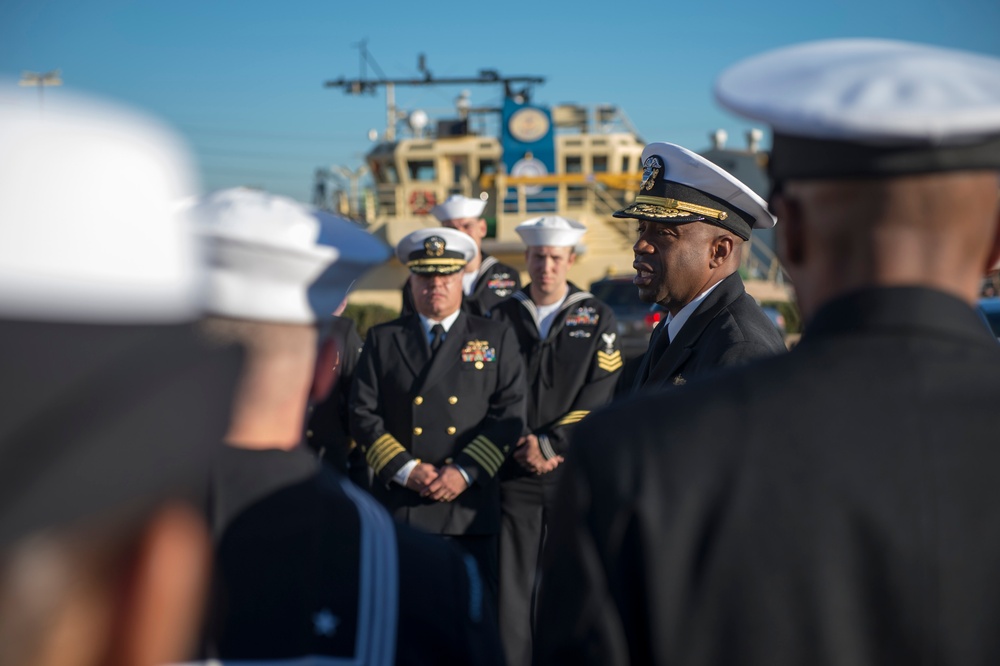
(382, 446)
(478, 457)
(486, 454)
(384, 458)
(382, 451)
(572, 417)
(491, 448)
(485, 457)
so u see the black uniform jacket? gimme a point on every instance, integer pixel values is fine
(835, 505)
(327, 432)
(465, 406)
(728, 328)
(495, 282)
(308, 565)
(569, 373)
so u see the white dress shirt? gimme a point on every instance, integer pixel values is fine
(674, 324)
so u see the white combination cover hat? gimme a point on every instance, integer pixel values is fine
(89, 229)
(551, 231)
(274, 259)
(680, 186)
(438, 251)
(458, 207)
(861, 107)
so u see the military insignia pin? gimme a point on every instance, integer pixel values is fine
(434, 246)
(679, 381)
(650, 170)
(609, 341)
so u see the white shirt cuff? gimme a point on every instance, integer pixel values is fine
(403, 475)
(465, 475)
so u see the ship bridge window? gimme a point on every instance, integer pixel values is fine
(600, 163)
(625, 162)
(422, 170)
(574, 164)
(385, 172)
(487, 166)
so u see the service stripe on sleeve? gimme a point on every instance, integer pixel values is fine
(572, 417)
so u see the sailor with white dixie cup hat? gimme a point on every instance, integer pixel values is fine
(308, 566)
(569, 343)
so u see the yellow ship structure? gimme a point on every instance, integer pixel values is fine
(578, 162)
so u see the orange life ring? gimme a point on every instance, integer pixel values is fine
(421, 202)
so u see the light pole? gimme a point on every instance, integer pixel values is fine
(40, 80)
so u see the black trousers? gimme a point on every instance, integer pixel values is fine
(483, 548)
(525, 506)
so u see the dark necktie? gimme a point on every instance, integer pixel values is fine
(437, 336)
(657, 345)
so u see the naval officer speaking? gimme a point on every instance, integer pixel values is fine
(855, 519)
(693, 218)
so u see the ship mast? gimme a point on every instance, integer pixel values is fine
(363, 84)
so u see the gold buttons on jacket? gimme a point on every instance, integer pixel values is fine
(451, 430)
(419, 400)
(452, 400)
(418, 430)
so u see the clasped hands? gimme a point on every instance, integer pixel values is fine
(528, 455)
(441, 485)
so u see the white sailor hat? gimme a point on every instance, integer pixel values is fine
(89, 229)
(436, 251)
(866, 107)
(100, 283)
(551, 231)
(680, 186)
(457, 207)
(274, 259)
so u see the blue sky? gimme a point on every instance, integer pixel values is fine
(242, 81)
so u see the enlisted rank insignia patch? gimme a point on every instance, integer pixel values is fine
(583, 316)
(501, 284)
(479, 353)
(609, 359)
(609, 362)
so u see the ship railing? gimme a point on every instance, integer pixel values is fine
(603, 193)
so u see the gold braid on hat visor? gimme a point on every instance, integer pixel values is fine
(663, 207)
(452, 262)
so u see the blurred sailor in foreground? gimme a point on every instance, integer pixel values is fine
(693, 218)
(308, 565)
(111, 404)
(328, 431)
(438, 403)
(856, 520)
(485, 281)
(569, 343)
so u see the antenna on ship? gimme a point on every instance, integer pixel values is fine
(363, 84)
